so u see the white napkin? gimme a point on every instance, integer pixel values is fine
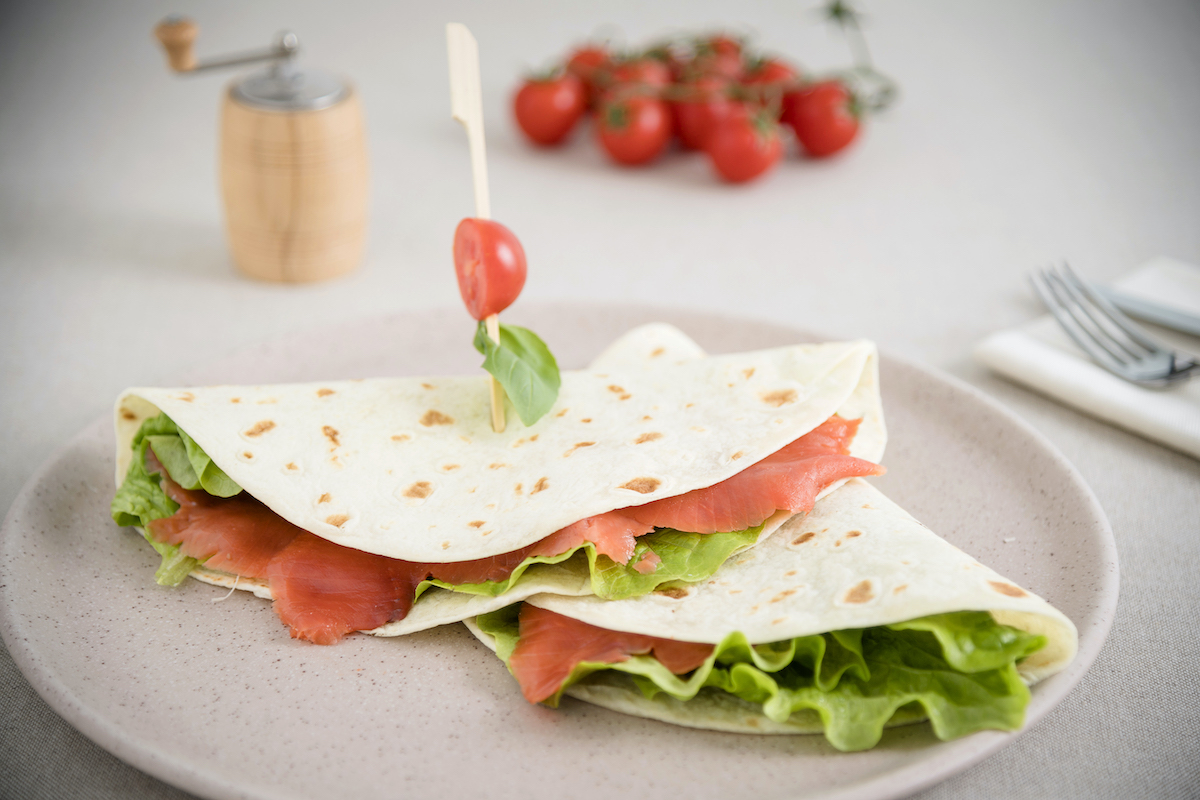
(1041, 356)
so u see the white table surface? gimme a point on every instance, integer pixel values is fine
(1027, 132)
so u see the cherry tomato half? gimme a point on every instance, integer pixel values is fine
(547, 110)
(742, 148)
(634, 130)
(823, 117)
(490, 264)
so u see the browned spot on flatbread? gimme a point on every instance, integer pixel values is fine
(445, 545)
(1008, 589)
(324, 392)
(625, 396)
(642, 485)
(674, 592)
(434, 417)
(616, 389)
(247, 454)
(866, 505)
(647, 418)
(900, 588)
(428, 386)
(497, 465)
(331, 434)
(586, 419)
(779, 397)
(576, 446)
(562, 413)
(450, 467)
(647, 437)
(804, 537)
(658, 351)
(737, 455)
(259, 428)
(186, 397)
(534, 437)
(789, 573)
(748, 373)
(266, 401)
(542, 485)
(689, 405)
(838, 543)
(861, 592)
(777, 621)
(853, 534)
(477, 523)
(519, 488)
(338, 520)
(420, 490)
(127, 414)
(292, 465)
(325, 498)
(401, 437)
(786, 593)
(235, 399)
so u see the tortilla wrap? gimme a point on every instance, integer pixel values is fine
(857, 560)
(403, 467)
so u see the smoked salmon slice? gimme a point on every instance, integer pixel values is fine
(551, 645)
(236, 534)
(324, 591)
(789, 479)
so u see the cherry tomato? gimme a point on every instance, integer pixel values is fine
(490, 264)
(645, 71)
(742, 148)
(583, 64)
(633, 130)
(770, 72)
(719, 55)
(701, 105)
(547, 110)
(823, 117)
(767, 80)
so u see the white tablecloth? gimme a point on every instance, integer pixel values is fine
(1027, 132)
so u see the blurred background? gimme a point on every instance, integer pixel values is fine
(1025, 132)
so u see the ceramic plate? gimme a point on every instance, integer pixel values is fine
(215, 698)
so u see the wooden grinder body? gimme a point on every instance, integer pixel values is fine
(295, 188)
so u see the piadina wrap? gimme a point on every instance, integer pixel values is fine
(409, 468)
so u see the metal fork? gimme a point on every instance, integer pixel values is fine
(1112, 340)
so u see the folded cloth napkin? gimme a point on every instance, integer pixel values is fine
(1041, 356)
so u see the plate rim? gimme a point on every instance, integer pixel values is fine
(183, 772)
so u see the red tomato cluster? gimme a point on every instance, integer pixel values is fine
(710, 94)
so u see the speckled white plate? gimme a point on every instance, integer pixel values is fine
(215, 698)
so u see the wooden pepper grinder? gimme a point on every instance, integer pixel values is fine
(293, 161)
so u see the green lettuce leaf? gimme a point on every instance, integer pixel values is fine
(959, 668)
(686, 557)
(524, 366)
(140, 500)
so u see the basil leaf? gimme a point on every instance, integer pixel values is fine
(524, 366)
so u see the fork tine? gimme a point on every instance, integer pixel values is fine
(1131, 328)
(1102, 329)
(1084, 323)
(1070, 325)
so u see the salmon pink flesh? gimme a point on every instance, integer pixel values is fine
(551, 646)
(324, 591)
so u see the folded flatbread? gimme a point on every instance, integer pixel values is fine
(855, 565)
(410, 469)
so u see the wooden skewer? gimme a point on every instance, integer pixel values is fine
(466, 106)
